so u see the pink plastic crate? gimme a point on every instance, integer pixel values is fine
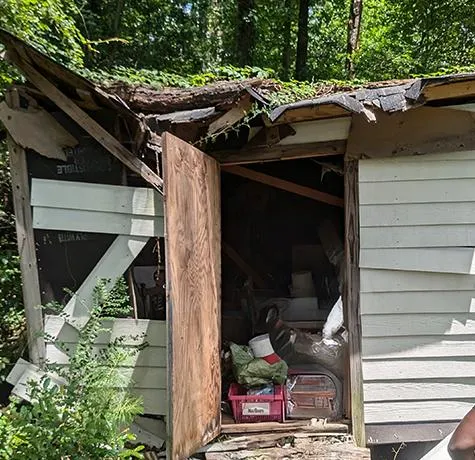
(253, 408)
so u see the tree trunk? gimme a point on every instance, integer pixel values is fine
(354, 27)
(302, 41)
(245, 32)
(286, 36)
(117, 17)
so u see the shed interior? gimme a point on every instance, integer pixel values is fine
(282, 262)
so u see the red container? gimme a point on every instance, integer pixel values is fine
(257, 408)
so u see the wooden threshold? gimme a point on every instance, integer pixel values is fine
(230, 427)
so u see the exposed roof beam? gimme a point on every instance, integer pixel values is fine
(87, 123)
(260, 154)
(232, 116)
(318, 131)
(282, 184)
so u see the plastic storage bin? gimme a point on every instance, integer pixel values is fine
(257, 408)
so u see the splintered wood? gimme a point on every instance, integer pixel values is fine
(193, 258)
(273, 447)
(36, 129)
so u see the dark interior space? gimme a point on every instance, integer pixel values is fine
(282, 256)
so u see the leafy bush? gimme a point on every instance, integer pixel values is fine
(83, 418)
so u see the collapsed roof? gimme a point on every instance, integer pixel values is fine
(202, 106)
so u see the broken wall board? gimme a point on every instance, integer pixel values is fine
(232, 116)
(36, 129)
(145, 370)
(438, 260)
(375, 281)
(134, 332)
(112, 265)
(150, 356)
(423, 130)
(24, 372)
(82, 196)
(87, 123)
(97, 222)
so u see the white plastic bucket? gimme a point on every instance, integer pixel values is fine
(261, 346)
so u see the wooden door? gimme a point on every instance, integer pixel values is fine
(193, 259)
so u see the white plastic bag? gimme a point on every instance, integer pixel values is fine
(334, 321)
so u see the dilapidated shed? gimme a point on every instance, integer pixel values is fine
(113, 181)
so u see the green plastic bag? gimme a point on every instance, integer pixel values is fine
(253, 372)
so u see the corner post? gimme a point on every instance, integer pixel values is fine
(26, 243)
(351, 300)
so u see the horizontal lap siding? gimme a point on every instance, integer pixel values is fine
(145, 369)
(417, 237)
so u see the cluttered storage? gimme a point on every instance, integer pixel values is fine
(283, 339)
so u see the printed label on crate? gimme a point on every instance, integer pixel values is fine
(256, 409)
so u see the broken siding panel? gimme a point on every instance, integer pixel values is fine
(96, 197)
(96, 222)
(438, 260)
(417, 231)
(96, 208)
(407, 281)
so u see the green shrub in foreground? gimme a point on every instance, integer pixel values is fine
(82, 419)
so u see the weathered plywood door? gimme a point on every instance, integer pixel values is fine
(193, 253)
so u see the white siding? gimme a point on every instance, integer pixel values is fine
(97, 208)
(417, 229)
(145, 370)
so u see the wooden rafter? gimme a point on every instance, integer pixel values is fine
(282, 184)
(244, 266)
(232, 116)
(261, 153)
(87, 123)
